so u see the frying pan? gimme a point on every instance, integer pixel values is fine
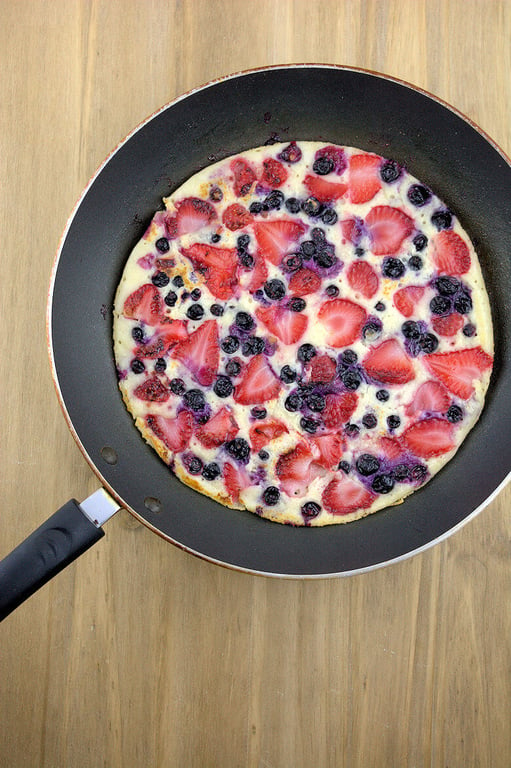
(316, 102)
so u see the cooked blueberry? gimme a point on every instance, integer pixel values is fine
(195, 294)
(215, 238)
(415, 263)
(369, 420)
(254, 345)
(211, 471)
(371, 330)
(393, 421)
(233, 367)
(194, 465)
(442, 219)
(310, 509)
(215, 194)
(418, 472)
(255, 207)
(178, 281)
(324, 257)
(239, 449)
(217, 310)
(447, 285)
(271, 496)
(382, 395)
(177, 386)
(440, 305)
(383, 483)
(454, 414)
(293, 402)
(367, 464)
(401, 473)
(258, 412)
(160, 365)
(162, 245)
(242, 242)
(274, 200)
(194, 399)
(170, 298)
(223, 386)
(390, 171)
(420, 241)
(244, 321)
(195, 311)
(263, 455)
(344, 466)
(322, 166)
(463, 303)
(359, 252)
(287, 374)
(312, 207)
(230, 344)
(137, 366)
(318, 235)
(316, 402)
(293, 205)
(349, 356)
(308, 425)
(418, 195)
(428, 342)
(332, 291)
(291, 153)
(306, 352)
(246, 259)
(411, 330)
(393, 267)
(160, 279)
(351, 430)
(137, 334)
(308, 248)
(274, 289)
(329, 217)
(351, 379)
(469, 330)
(380, 306)
(297, 304)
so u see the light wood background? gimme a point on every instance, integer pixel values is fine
(140, 655)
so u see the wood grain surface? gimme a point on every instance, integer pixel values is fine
(140, 655)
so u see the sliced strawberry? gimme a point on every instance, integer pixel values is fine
(263, 432)
(390, 447)
(388, 363)
(159, 345)
(388, 227)
(339, 409)
(323, 190)
(287, 325)
(153, 390)
(344, 495)
(294, 470)
(322, 368)
(362, 278)
(244, 177)
(450, 253)
(236, 217)
(459, 370)
(429, 437)
(217, 265)
(329, 448)
(200, 352)
(303, 282)
(193, 214)
(145, 304)
(236, 480)
(342, 320)
(448, 325)
(174, 433)
(406, 298)
(363, 178)
(352, 229)
(276, 238)
(430, 397)
(274, 174)
(257, 383)
(218, 430)
(257, 277)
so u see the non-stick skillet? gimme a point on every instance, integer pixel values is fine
(341, 105)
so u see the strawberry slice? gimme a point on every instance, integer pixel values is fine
(390, 447)
(171, 333)
(236, 217)
(388, 227)
(339, 409)
(303, 282)
(153, 390)
(362, 278)
(255, 279)
(263, 432)
(218, 430)
(352, 229)
(430, 397)
(174, 433)
(406, 298)
(287, 325)
(323, 190)
(275, 238)
(145, 304)
(459, 370)
(274, 174)
(322, 368)
(429, 437)
(200, 352)
(342, 320)
(344, 495)
(217, 265)
(257, 383)
(193, 214)
(363, 179)
(243, 177)
(294, 470)
(450, 253)
(388, 363)
(236, 480)
(329, 448)
(448, 325)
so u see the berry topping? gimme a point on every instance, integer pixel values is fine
(144, 304)
(211, 471)
(153, 389)
(383, 483)
(218, 429)
(454, 414)
(310, 509)
(236, 217)
(430, 397)
(217, 265)
(291, 154)
(257, 383)
(450, 253)
(342, 320)
(362, 278)
(405, 299)
(223, 386)
(367, 464)
(254, 345)
(429, 437)
(329, 448)
(264, 432)
(174, 433)
(322, 369)
(388, 227)
(388, 363)
(448, 325)
(274, 289)
(162, 245)
(339, 409)
(243, 177)
(390, 171)
(160, 279)
(275, 238)
(286, 325)
(193, 214)
(344, 495)
(294, 470)
(230, 344)
(274, 174)
(195, 312)
(271, 495)
(303, 282)
(323, 191)
(244, 321)
(418, 195)
(363, 177)
(238, 449)
(306, 352)
(392, 268)
(200, 352)
(442, 219)
(287, 374)
(459, 370)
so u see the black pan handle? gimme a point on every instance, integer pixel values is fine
(48, 550)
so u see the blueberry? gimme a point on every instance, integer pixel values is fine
(242, 242)
(418, 472)
(369, 420)
(380, 306)
(215, 194)
(316, 402)
(308, 248)
(195, 311)
(246, 260)
(351, 430)
(233, 367)
(178, 281)
(454, 414)
(306, 352)
(332, 291)
(469, 330)
(137, 366)
(310, 509)
(322, 166)
(137, 334)
(428, 342)
(255, 207)
(223, 386)
(292, 262)
(446, 285)
(177, 386)
(418, 195)
(274, 289)
(297, 304)
(194, 465)
(390, 171)
(254, 345)
(371, 330)
(239, 449)
(287, 374)
(411, 330)
(308, 425)
(160, 365)
(194, 399)
(420, 241)
(263, 455)
(318, 235)
(400, 473)
(215, 238)
(162, 245)
(393, 421)
(382, 395)
(244, 321)
(195, 294)
(230, 344)
(351, 379)
(274, 200)
(217, 310)
(442, 219)
(367, 464)
(383, 483)
(329, 217)
(463, 303)
(257, 412)
(393, 267)
(344, 466)
(349, 357)
(291, 154)
(170, 298)
(312, 207)
(293, 402)
(324, 257)
(293, 205)
(415, 263)
(440, 305)
(211, 471)
(271, 496)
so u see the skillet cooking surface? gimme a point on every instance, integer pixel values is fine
(334, 104)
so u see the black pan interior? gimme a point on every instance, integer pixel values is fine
(339, 105)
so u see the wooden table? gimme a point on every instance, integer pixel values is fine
(140, 655)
